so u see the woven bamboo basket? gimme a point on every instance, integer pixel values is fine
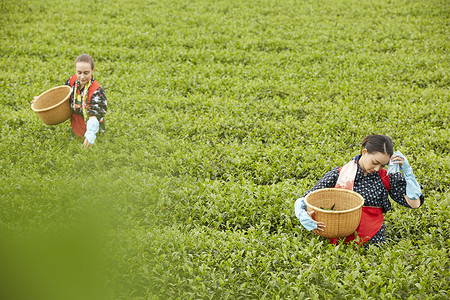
(52, 106)
(344, 219)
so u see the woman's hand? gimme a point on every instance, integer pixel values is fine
(413, 190)
(34, 100)
(86, 143)
(396, 159)
(320, 225)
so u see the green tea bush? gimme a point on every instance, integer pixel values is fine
(220, 115)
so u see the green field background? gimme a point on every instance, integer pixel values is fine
(220, 115)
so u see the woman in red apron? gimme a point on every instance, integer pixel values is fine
(365, 175)
(87, 100)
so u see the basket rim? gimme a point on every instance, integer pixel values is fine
(53, 106)
(332, 211)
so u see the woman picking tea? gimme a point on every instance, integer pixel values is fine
(87, 100)
(365, 175)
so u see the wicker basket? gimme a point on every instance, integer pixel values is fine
(53, 106)
(344, 219)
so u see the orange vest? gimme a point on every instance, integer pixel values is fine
(94, 86)
(77, 122)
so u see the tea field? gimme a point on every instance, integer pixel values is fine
(220, 115)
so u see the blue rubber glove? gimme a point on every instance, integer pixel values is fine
(413, 190)
(302, 215)
(92, 127)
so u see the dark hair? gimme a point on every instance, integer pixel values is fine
(85, 58)
(378, 143)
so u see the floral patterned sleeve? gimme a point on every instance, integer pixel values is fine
(98, 105)
(327, 181)
(397, 190)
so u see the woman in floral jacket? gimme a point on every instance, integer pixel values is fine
(87, 100)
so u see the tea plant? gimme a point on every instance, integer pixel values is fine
(221, 114)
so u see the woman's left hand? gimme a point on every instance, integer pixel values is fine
(34, 100)
(396, 159)
(86, 143)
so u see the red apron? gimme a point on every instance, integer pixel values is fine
(78, 125)
(372, 218)
(371, 221)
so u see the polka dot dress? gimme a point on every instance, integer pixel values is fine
(372, 189)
